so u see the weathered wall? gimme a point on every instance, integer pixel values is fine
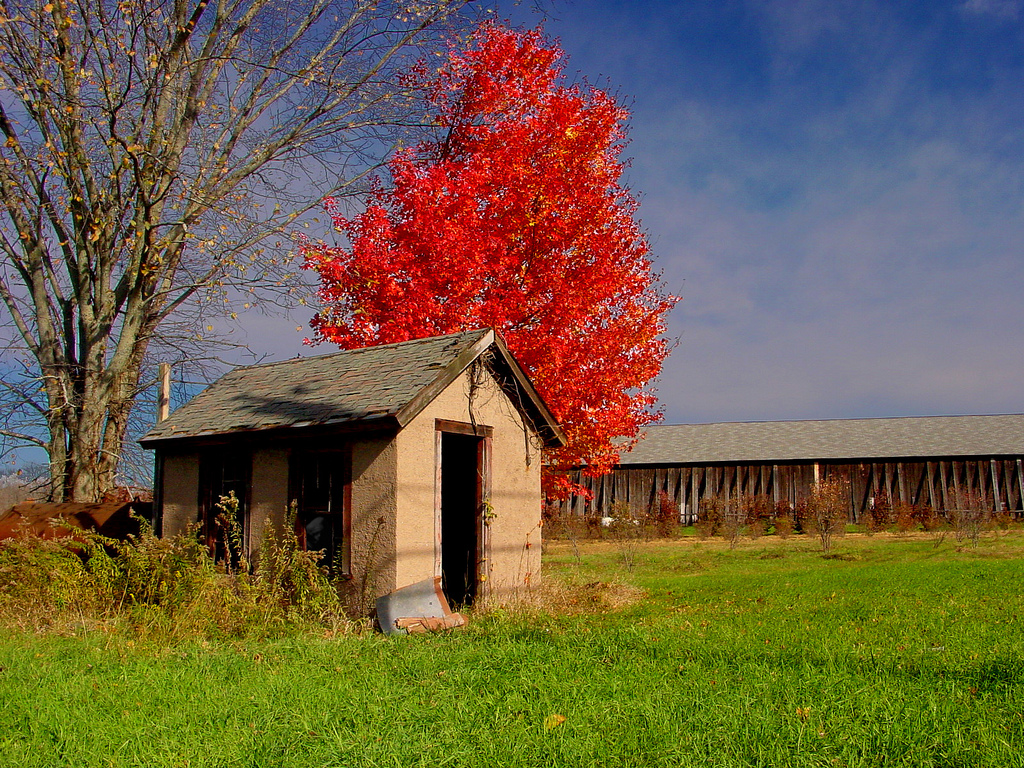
(372, 510)
(372, 513)
(372, 542)
(180, 498)
(512, 535)
(918, 483)
(268, 499)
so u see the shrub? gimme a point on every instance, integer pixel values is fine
(904, 516)
(928, 519)
(733, 520)
(1002, 520)
(759, 512)
(40, 578)
(232, 533)
(290, 576)
(827, 510)
(570, 526)
(782, 519)
(666, 515)
(709, 517)
(167, 572)
(970, 514)
(629, 528)
(879, 515)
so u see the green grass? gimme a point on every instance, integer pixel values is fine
(891, 652)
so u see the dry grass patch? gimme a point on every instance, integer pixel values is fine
(566, 598)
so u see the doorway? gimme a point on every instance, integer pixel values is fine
(463, 474)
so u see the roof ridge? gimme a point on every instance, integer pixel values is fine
(354, 350)
(837, 420)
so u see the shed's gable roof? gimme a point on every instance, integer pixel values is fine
(383, 385)
(780, 441)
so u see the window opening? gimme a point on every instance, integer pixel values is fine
(320, 487)
(223, 471)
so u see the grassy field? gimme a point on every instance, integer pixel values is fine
(888, 652)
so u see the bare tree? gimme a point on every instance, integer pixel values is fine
(970, 512)
(151, 152)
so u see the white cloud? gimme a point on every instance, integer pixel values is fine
(1003, 9)
(890, 285)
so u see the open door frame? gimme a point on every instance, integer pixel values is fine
(482, 496)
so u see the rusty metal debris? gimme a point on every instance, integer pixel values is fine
(49, 521)
(420, 607)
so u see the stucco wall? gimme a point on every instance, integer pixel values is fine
(268, 498)
(373, 523)
(513, 535)
(372, 542)
(180, 499)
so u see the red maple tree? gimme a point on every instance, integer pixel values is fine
(514, 217)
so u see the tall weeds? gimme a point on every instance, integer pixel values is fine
(164, 586)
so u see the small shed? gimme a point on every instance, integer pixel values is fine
(405, 461)
(925, 461)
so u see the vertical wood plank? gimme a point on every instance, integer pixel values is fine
(916, 482)
(695, 488)
(996, 498)
(1020, 485)
(929, 469)
(945, 485)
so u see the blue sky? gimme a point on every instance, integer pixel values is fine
(836, 190)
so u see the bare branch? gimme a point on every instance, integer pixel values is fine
(23, 437)
(152, 156)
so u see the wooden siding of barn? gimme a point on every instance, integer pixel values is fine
(921, 483)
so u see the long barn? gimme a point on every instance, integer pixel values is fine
(919, 461)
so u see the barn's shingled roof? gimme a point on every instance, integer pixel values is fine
(780, 441)
(384, 385)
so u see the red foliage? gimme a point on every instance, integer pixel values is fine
(514, 219)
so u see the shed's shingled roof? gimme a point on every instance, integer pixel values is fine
(384, 384)
(777, 441)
